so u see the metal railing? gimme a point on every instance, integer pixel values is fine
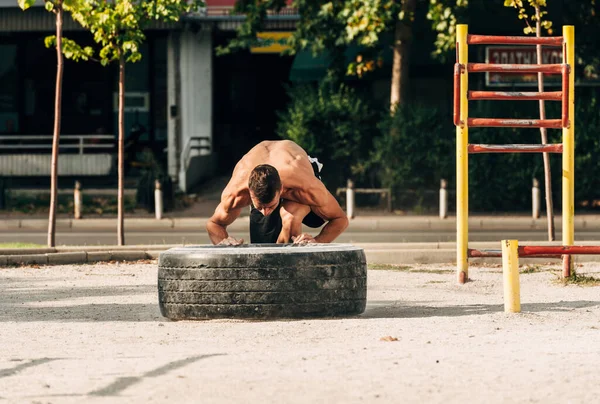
(42, 144)
(194, 143)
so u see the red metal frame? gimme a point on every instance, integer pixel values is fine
(513, 40)
(540, 251)
(514, 123)
(473, 253)
(526, 251)
(515, 148)
(515, 95)
(562, 96)
(518, 68)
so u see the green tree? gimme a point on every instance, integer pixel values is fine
(333, 25)
(118, 28)
(62, 45)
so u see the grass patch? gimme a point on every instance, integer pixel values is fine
(531, 269)
(21, 245)
(432, 271)
(581, 280)
(406, 268)
(389, 267)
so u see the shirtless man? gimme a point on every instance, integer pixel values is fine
(278, 180)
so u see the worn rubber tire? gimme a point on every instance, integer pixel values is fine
(262, 281)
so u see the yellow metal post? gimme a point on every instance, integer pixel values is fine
(462, 162)
(510, 270)
(568, 157)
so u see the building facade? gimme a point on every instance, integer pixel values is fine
(196, 112)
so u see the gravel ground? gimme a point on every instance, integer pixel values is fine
(93, 333)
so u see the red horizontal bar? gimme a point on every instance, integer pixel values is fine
(526, 251)
(514, 123)
(515, 148)
(515, 95)
(513, 40)
(515, 68)
(472, 253)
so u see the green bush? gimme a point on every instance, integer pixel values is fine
(91, 204)
(587, 147)
(413, 152)
(332, 123)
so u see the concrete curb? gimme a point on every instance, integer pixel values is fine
(76, 257)
(377, 253)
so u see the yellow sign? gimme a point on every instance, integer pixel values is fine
(271, 42)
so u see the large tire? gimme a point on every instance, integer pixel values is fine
(262, 281)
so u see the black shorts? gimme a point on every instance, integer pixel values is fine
(266, 229)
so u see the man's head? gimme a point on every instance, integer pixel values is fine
(265, 188)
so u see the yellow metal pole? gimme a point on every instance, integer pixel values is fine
(462, 163)
(568, 160)
(510, 270)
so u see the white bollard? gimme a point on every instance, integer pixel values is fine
(443, 199)
(350, 199)
(77, 200)
(535, 199)
(158, 200)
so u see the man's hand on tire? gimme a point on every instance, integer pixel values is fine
(303, 239)
(231, 241)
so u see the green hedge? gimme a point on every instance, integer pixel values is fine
(333, 124)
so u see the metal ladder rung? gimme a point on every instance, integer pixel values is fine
(516, 68)
(515, 95)
(515, 148)
(514, 123)
(473, 39)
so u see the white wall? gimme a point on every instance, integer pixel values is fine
(195, 107)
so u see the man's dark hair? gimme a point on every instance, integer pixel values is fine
(264, 182)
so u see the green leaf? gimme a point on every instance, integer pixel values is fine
(25, 4)
(49, 5)
(50, 41)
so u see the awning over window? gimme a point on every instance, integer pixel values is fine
(307, 67)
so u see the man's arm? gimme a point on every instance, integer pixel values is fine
(217, 224)
(331, 211)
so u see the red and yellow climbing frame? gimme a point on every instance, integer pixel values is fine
(463, 122)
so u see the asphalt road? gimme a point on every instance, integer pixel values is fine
(105, 237)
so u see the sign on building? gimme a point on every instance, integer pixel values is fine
(587, 76)
(271, 42)
(521, 55)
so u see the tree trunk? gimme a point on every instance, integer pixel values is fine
(547, 172)
(121, 173)
(400, 67)
(56, 132)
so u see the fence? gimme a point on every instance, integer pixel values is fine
(78, 155)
